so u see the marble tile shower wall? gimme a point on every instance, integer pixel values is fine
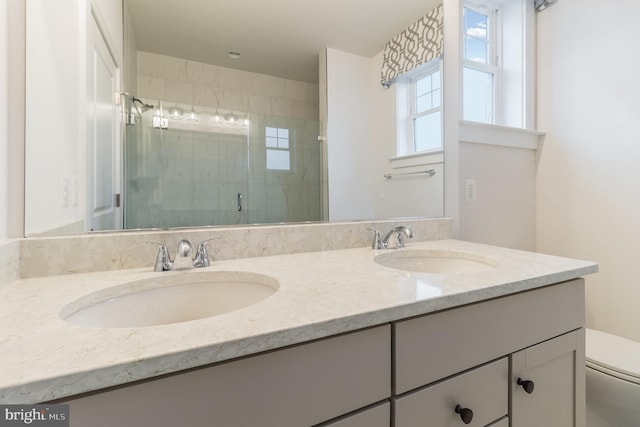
(188, 82)
(171, 181)
(178, 178)
(285, 196)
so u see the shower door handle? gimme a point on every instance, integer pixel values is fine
(239, 202)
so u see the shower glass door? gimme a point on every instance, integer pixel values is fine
(181, 171)
(195, 166)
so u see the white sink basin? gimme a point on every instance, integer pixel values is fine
(436, 261)
(172, 298)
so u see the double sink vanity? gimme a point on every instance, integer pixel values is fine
(441, 332)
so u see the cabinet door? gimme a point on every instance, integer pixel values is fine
(555, 395)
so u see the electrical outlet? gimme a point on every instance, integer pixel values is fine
(74, 190)
(65, 191)
(470, 190)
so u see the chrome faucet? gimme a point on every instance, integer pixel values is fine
(183, 260)
(377, 239)
(163, 260)
(202, 256)
(401, 233)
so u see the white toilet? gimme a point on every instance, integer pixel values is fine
(613, 380)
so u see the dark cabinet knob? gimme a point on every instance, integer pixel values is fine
(527, 385)
(466, 414)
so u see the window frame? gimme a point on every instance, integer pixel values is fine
(277, 148)
(407, 106)
(494, 46)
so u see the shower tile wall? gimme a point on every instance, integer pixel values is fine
(188, 82)
(292, 195)
(171, 177)
(171, 182)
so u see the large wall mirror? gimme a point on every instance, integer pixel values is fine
(159, 114)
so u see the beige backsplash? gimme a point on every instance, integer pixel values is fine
(9, 261)
(113, 251)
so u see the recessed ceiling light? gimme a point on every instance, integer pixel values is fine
(234, 54)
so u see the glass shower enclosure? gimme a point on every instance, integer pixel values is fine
(197, 166)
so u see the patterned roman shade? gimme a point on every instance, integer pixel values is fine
(418, 44)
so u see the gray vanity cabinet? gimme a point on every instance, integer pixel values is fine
(432, 347)
(451, 368)
(472, 356)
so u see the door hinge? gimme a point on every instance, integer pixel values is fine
(118, 200)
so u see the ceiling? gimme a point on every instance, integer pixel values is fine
(275, 37)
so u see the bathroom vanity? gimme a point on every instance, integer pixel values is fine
(343, 342)
(421, 367)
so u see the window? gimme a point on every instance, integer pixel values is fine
(277, 144)
(426, 115)
(419, 106)
(481, 73)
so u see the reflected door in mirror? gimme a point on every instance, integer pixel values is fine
(103, 136)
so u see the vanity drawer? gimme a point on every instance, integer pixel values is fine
(438, 345)
(297, 386)
(484, 391)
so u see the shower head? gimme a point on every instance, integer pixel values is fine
(130, 117)
(541, 5)
(145, 107)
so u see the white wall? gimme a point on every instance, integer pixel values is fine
(109, 15)
(53, 109)
(53, 113)
(12, 41)
(512, 83)
(56, 41)
(350, 145)
(502, 163)
(130, 59)
(402, 196)
(452, 96)
(4, 131)
(503, 212)
(588, 176)
(361, 143)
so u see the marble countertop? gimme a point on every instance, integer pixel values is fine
(43, 357)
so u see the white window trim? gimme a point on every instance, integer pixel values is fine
(279, 149)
